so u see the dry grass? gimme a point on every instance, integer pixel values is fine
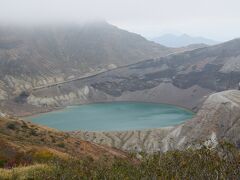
(22, 173)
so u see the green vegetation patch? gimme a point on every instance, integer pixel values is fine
(220, 163)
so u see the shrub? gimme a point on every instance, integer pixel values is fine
(2, 162)
(11, 126)
(43, 155)
(61, 145)
(22, 98)
(220, 163)
(33, 132)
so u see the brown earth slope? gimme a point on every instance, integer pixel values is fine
(20, 139)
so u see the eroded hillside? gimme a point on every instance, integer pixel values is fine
(183, 79)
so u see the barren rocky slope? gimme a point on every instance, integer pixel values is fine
(183, 79)
(218, 119)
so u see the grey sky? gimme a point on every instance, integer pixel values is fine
(217, 19)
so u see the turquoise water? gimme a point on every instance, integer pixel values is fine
(114, 116)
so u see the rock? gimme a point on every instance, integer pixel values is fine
(112, 66)
(86, 90)
(2, 114)
(3, 94)
(139, 156)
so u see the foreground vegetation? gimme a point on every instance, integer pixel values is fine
(205, 163)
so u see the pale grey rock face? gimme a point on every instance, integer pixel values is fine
(217, 119)
(137, 141)
(3, 95)
(220, 114)
(2, 114)
(78, 96)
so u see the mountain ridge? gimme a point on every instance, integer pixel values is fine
(171, 40)
(34, 56)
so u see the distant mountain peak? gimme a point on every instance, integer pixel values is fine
(171, 40)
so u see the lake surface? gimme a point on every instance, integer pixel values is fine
(114, 116)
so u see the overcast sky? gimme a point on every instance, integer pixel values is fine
(216, 19)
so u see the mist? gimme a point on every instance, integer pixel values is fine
(217, 19)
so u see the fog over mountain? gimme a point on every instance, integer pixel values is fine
(39, 55)
(214, 19)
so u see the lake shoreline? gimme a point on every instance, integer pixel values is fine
(113, 116)
(60, 108)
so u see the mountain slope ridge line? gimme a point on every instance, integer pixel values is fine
(101, 72)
